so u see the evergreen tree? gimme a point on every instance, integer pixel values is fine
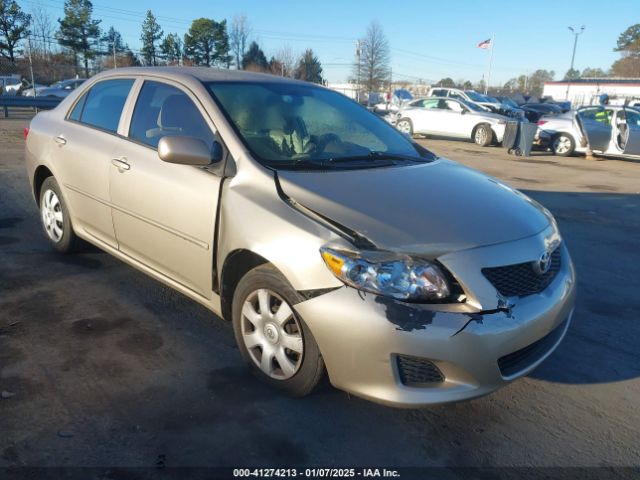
(309, 68)
(151, 34)
(79, 32)
(112, 41)
(14, 26)
(171, 48)
(255, 58)
(207, 43)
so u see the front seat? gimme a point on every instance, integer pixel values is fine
(179, 116)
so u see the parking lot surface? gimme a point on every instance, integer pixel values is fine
(102, 366)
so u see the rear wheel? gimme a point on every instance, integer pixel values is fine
(55, 217)
(405, 126)
(483, 135)
(272, 338)
(563, 145)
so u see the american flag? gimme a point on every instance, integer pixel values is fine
(486, 44)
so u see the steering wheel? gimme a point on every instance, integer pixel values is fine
(318, 144)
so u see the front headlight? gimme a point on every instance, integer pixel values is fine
(388, 274)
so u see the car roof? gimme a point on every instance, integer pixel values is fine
(202, 74)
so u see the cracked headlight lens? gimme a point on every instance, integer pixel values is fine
(396, 276)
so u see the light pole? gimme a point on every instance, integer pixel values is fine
(575, 33)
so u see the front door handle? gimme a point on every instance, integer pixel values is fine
(60, 140)
(121, 163)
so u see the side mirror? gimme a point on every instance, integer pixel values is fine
(463, 112)
(188, 151)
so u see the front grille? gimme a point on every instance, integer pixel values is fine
(521, 279)
(521, 359)
(416, 372)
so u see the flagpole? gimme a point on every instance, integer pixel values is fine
(486, 85)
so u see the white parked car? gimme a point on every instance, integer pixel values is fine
(609, 130)
(449, 117)
(9, 84)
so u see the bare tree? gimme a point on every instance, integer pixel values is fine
(239, 37)
(287, 59)
(42, 30)
(373, 62)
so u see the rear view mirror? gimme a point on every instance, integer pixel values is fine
(188, 151)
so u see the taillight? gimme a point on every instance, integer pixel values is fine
(25, 132)
(541, 122)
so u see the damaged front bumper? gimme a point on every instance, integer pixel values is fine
(365, 340)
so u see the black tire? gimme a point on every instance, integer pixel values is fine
(409, 129)
(482, 135)
(68, 242)
(311, 369)
(563, 145)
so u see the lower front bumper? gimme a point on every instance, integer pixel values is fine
(360, 336)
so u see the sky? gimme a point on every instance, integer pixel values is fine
(428, 39)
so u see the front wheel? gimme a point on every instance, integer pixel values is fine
(405, 126)
(275, 342)
(563, 145)
(55, 217)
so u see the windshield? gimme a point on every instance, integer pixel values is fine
(476, 97)
(287, 125)
(510, 103)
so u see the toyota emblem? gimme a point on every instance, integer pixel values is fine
(543, 264)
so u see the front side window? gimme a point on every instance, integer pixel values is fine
(453, 105)
(287, 125)
(102, 105)
(162, 110)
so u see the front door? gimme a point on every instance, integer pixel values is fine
(165, 214)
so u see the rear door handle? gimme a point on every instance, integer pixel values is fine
(121, 163)
(60, 140)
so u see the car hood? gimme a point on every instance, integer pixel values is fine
(428, 209)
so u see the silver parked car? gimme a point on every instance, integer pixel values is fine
(331, 241)
(608, 130)
(60, 89)
(450, 117)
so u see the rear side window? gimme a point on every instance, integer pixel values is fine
(101, 106)
(163, 110)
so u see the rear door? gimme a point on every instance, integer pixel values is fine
(596, 126)
(82, 156)
(165, 214)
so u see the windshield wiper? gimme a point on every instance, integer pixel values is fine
(377, 155)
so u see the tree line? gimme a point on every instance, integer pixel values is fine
(77, 44)
(78, 40)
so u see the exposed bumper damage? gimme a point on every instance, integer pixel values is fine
(361, 335)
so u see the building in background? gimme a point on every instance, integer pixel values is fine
(587, 91)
